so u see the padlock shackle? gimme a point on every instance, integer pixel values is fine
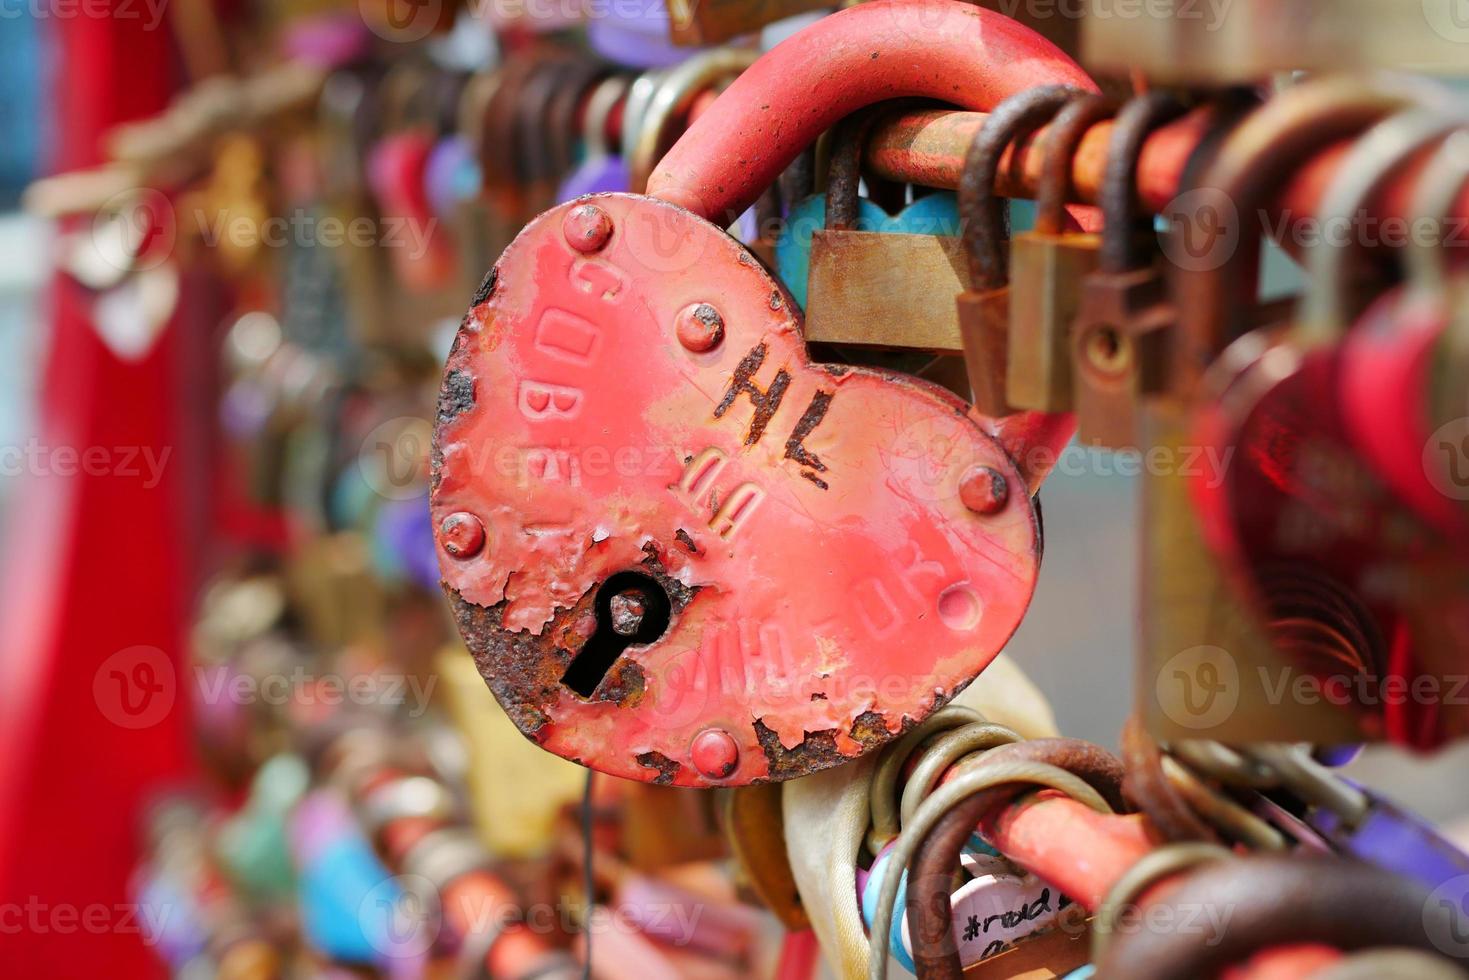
(1371, 161)
(1124, 227)
(1058, 151)
(888, 49)
(1439, 186)
(844, 171)
(674, 95)
(982, 211)
(1274, 141)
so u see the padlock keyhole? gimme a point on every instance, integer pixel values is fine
(632, 608)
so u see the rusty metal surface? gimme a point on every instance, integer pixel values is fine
(825, 584)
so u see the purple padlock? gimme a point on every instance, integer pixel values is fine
(636, 35)
(1383, 833)
(602, 171)
(451, 175)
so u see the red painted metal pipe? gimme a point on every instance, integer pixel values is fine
(1084, 853)
(1080, 851)
(887, 49)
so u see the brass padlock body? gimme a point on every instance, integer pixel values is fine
(885, 290)
(1046, 272)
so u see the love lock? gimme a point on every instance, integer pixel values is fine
(678, 550)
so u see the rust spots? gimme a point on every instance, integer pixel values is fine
(525, 671)
(766, 401)
(818, 750)
(666, 768)
(685, 539)
(795, 445)
(776, 301)
(456, 396)
(486, 287)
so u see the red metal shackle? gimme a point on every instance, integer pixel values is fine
(889, 49)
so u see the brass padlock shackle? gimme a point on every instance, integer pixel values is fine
(1215, 298)
(1062, 138)
(873, 52)
(981, 210)
(1125, 226)
(673, 97)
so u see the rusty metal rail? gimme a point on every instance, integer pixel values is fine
(927, 147)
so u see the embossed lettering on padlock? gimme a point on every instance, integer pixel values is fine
(699, 558)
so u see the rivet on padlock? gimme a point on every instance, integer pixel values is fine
(1046, 267)
(1119, 337)
(749, 493)
(984, 309)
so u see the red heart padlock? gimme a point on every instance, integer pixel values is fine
(678, 550)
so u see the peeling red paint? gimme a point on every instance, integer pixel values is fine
(814, 619)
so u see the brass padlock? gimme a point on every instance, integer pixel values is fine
(893, 275)
(1047, 264)
(1122, 326)
(984, 308)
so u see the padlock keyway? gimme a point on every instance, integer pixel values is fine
(632, 608)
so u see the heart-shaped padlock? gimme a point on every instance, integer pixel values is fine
(678, 550)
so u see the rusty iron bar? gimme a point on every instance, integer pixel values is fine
(927, 147)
